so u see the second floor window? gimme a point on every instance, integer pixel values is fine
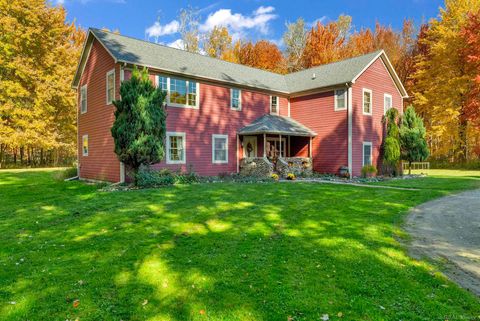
(83, 99)
(367, 102)
(340, 99)
(110, 86)
(387, 102)
(274, 105)
(180, 92)
(235, 99)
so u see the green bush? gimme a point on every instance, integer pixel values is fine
(66, 173)
(443, 164)
(368, 170)
(147, 177)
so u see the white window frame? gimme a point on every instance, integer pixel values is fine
(83, 146)
(214, 136)
(278, 105)
(363, 153)
(82, 96)
(363, 101)
(184, 140)
(239, 99)
(385, 96)
(110, 72)
(345, 91)
(187, 82)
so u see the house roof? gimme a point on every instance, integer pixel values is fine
(274, 124)
(143, 53)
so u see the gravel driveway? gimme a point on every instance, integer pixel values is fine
(449, 229)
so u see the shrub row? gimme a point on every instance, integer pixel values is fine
(147, 177)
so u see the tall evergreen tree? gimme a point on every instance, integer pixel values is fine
(412, 137)
(391, 146)
(140, 122)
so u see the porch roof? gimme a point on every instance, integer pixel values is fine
(275, 124)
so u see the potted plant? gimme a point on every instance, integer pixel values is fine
(344, 172)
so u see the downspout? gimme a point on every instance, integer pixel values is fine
(350, 126)
(122, 165)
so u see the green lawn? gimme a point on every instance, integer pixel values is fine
(276, 251)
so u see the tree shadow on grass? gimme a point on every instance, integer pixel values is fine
(218, 252)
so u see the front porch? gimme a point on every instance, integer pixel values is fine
(275, 144)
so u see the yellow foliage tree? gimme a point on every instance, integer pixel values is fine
(217, 42)
(442, 81)
(38, 56)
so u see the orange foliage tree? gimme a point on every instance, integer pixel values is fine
(324, 45)
(264, 55)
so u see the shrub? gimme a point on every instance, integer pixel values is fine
(275, 177)
(147, 177)
(186, 178)
(66, 173)
(368, 170)
(291, 176)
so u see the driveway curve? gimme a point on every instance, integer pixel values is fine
(448, 229)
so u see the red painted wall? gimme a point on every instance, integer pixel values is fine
(370, 128)
(101, 162)
(215, 117)
(330, 146)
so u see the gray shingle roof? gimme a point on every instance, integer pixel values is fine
(274, 124)
(144, 53)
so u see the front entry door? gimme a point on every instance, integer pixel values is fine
(249, 146)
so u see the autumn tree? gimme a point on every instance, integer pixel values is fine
(264, 55)
(324, 45)
(217, 42)
(295, 39)
(189, 29)
(38, 56)
(443, 81)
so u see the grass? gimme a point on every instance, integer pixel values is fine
(273, 251)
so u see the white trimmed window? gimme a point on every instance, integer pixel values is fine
(274, 105)
(367, 153)
(219, 149)
(367, 101)
(387, 102)
(83, 99)
(340, 99)
(110, 86)
(175, 148)
(85, 145)
(180, 92)
(235, 99)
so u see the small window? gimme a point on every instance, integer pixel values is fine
(274, 104)
(235, 99)
(175, 148)
(110, 86)
(367, 102)
(220, 149)
(162, 82)
(85, 145)
(340, 99)
(367, 153)
(387, 102)
(83, 99)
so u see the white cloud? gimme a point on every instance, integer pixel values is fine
(157, 30)
(176, 44)
(314, 22)
(238, 23)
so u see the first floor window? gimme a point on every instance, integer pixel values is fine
(387, 102)
(340, 99)
(85, 145)
(274, 104)
(83, 99)
(110, 86)
(367, 101)
(220, 149)
(236, 99)
(175, 148)
(367, 153)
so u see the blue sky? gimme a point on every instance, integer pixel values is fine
(156, 20)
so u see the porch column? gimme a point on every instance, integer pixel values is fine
(264, 145)
(288, 147)
(238, 147)
(280, 145)
(310, 147)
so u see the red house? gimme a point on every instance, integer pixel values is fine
(221, 113)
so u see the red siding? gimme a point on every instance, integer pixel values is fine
(101, 162)
(370, 128)
(330, 146)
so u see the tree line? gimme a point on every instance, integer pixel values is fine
(439, 63)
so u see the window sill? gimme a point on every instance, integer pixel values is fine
(220, 162)
(340, 109)
(175, 162)
(181, 106)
